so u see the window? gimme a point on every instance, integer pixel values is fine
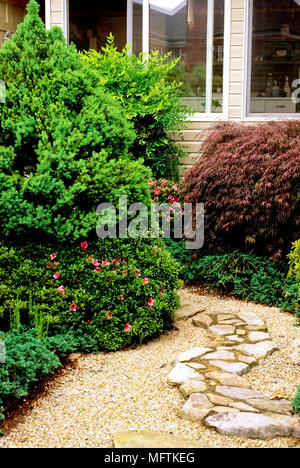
(275, 57)
(193, 32)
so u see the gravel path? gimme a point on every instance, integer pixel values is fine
(127, 390)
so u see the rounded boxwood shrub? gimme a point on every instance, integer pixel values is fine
(248, 177)
(63, 140)
(118, 292)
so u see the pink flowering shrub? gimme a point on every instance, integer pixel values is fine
(118, 292)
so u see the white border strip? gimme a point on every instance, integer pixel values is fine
(47, 14)
(209, 55)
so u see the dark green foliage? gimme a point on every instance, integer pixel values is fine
(296, 401)
(294, 270)
(247, 276)
(68, 341)
(63, 141)
(27, 361)
(151, 102)
(106, 278)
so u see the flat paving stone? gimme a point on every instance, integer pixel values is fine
(274, 406)
(196, 386)
(222, 329)
(220, 354)
(238, 393)
(193, 353)
(202, 320)
(251, 319)
(181, 374)
(252, 425)
(239, 368)
(258, 350)
(255, 336)
(244, 407)
(188, 311)
(228, 379)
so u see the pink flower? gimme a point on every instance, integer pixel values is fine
(138, 272)
(73, 307)
(163, 182)
(54, 265)
(52, 256)
(145, 281)
(109, 314)
(155, 248)
(150, 303)
(156, 191)
(175, 188)
(105, 262)
(127, 327)
(97, 269)
(61, 289)
(84, 246)
(95, 262)
(152, 182)
(121, 298)
(56, 275)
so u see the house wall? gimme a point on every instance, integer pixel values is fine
(196, 132)
(11, 14)
(56, 13)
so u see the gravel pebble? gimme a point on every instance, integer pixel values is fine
(127, 390)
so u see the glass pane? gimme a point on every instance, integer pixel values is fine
(217, 90)
(275, 56)
(92, 21)
(179, 27)
(137, 25)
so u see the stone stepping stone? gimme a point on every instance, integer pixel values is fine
(195, 365)
(244, 407)
(254, 426)
(274, 406)
(247, 359)
(153, 439)
(193, 353)
(228, 379)
(202, 320)
(235, 338)
(220, 354)
(255, 336)
(181, 374)
(258, 350)
(238, 393)
(224, 409)
(252, 319)
(193, 386)
(239, 368)
(188, 311)
(222, 329)
(219, 400)
(196, 408)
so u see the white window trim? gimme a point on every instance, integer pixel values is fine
(246, 114)
(208, 115)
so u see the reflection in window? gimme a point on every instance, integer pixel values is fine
(180, 27)
(91, 22)
(275, 56)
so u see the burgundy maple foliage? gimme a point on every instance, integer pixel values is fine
(248, 177)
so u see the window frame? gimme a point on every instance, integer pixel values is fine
(197, 116)
(246, 114)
